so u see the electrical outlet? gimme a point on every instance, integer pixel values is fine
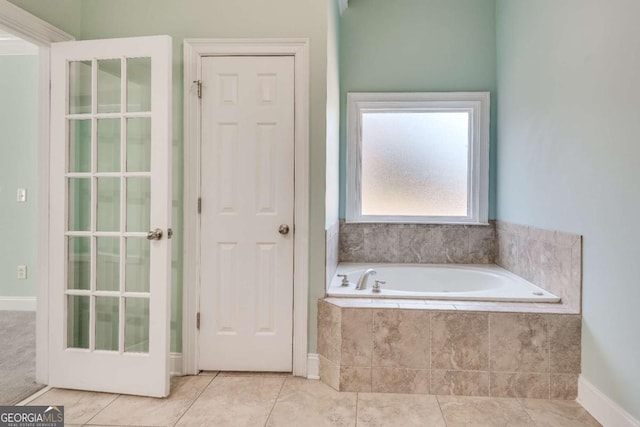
(22, 272)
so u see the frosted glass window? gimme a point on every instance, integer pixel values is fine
(415, 164)
(418, 157)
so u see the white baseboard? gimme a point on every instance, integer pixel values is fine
(313, 366)
(175, 364)
(602, 408)
(17, 303)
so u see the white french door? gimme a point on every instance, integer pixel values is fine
(247, 189)
(110, 215)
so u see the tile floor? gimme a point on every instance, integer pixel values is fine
(244, 400)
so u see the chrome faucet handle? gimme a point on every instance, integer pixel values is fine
(345, 279)
(376, 286)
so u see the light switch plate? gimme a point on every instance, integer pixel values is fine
(22, 195)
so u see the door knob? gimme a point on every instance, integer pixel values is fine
(283, 229)
(154, 234)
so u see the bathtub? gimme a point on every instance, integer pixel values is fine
(467, 282)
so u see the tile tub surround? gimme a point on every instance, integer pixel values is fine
(332, 249)
(549, 259)
(472, 353)
(417, 243)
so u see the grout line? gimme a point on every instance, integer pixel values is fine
(489, 351)
(102, 409)
(373, 340)
(275, 401)
(357, 401)
(468, 254)
(213, 377)
(521, 402)
(441, 411)
(430, 352)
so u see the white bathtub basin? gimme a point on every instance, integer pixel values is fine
(473, 282)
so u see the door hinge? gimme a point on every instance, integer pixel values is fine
(199, 204)
(198, 84)
(198, 320)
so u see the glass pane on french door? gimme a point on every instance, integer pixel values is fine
(108, 185)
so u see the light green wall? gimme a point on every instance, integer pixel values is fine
(18, 169)
(223, 19)
(414, 46)
(568, 159)
(332, 195)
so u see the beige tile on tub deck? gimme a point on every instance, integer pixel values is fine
(564, 386)
(572, 296)
(355, 379)
(460, 341)
(545, 264)
(401, 339)
(357, 337)
(565, 342)
(462, 411)
(553, 413)
(148, 411)
(381, 243)
(398, 410)
(455, 244)
(234, 401)
(482, 244)
(519, 343)
(329, 373)
(460, 383)
(510, 384)
(420, 245)
(79, 406)
(351, 243)
(311, 403)
(399, 380)
(329, 330)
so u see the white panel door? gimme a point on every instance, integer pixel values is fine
(247, 155)
(110, 189)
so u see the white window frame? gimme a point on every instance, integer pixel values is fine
(477, 104)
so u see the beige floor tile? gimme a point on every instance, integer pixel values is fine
(552, 413)
(462, 411)
(79, 406)
(398, 410)
(208, 373)
(253, 374)
(312, 403)
(234, 401)
(148, 411)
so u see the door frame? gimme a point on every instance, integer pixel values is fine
(194, 51)
(33, 29)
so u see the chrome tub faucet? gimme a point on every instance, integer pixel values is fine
(362, 282)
